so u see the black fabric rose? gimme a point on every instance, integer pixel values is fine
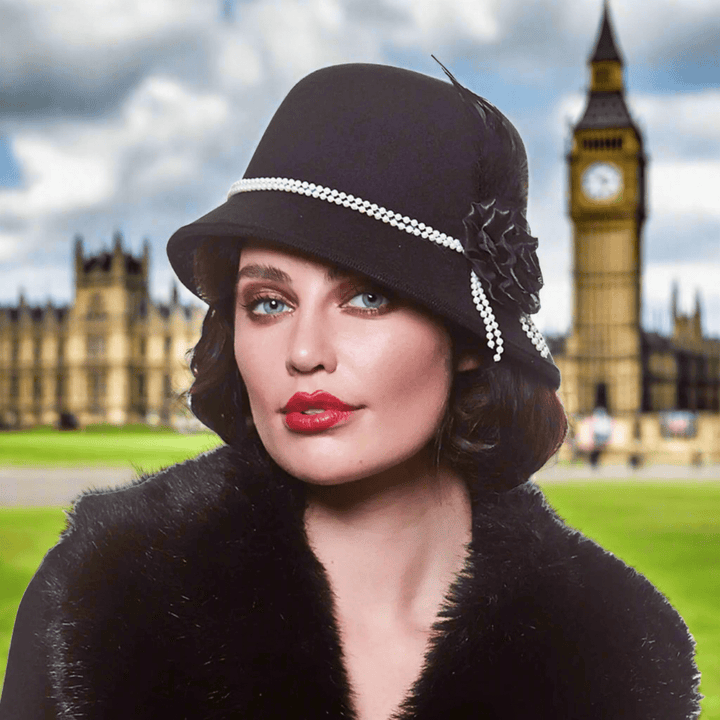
(503, 254)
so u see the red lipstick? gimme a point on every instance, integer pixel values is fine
(314, 413)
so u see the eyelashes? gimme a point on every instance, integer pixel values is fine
(267, 306)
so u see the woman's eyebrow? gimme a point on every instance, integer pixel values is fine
(264, 272)
(269, 272)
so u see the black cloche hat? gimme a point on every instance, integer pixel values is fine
(412, 181)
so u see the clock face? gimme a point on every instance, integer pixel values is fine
(602, 181)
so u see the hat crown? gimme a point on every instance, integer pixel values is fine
(397, 138)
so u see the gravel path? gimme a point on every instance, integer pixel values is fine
(649, 473)
(38, 486)
(41, 486)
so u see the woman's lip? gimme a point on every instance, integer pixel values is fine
(319, 400)
(317, 422)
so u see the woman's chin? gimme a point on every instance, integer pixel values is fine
(339, 465)
(342, 455)
(325, 472)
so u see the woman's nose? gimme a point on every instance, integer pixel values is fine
(311, 346)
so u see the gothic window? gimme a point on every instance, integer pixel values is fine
(95, 346)
(142, 347)
(14, 386)
(96, 308)
(96, 389)
(608, 143)
(37, 388)
(168, 344)
(140, 384)
(37, 349)
(601, 396)
(167, 386)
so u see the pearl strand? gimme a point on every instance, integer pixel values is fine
(534, 335)
(401, 222)
(493, 336)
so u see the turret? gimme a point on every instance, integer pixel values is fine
(78, 255)
(118, 256)
(697, 316)
(146, 258)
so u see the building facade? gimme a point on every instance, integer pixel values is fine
(113, 356)
(608, 360)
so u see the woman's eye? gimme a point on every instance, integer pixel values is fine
(368, 301)
(269, 306)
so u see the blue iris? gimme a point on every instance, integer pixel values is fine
(369, 300)
(270, 306)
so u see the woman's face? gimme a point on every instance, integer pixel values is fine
(303, 328)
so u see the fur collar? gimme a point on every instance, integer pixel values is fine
(193, 594)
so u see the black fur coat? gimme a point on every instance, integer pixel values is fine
(193, 594)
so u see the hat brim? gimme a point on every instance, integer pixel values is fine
(367, 246)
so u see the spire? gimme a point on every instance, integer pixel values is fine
(118, 256)
(697, 315)
(606, 47)
(606, 106)
(145, 260)
(78, 256)
(674, 301)
(117, 242)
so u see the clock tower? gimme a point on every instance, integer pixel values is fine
(602, 364)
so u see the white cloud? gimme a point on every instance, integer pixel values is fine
(59, 177)
(76, 166)
(428, 22)
(237, 61)
(681, 122)
(101, 23)
(9, 244)
(688, 188)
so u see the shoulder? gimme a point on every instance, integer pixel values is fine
(149, 560)
(170, 501)
(150, 530)
(596, 618)
(113, 521)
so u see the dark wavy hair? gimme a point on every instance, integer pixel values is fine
(501, 423)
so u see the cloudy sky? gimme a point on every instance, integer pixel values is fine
(137, 115)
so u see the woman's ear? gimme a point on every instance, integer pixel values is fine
(468, 361)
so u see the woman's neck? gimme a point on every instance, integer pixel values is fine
(392, 544)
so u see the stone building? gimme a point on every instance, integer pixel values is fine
(113, 356)
(608, 360)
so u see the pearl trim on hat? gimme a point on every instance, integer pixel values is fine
(534, 335)
(409, 225)
(492, 331)
(401, 222)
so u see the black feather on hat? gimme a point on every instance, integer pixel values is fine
(417, 183)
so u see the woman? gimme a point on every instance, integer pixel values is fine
(366, 544)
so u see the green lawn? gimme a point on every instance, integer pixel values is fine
(139, 446)
(670, 531)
